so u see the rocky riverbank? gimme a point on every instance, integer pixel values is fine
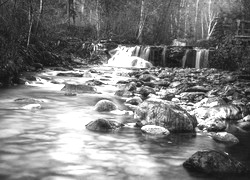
(169, 100)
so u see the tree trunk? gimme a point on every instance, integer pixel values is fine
(39, 15)
(98, 21)
(30, 22)
(196, 18)
(141, 23)
(68, 10)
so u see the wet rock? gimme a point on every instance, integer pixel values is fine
(212, 125)
(225, 137)
(210, 102)
(245, 125)
(130, 86)
(105, 105)
(94, 82)
(155, 130)
(78, 88)
(31, 107)
(134, 100)
(227, 112)
(70, 74)
(70, 94)
(197, 89)
(214, 162)
(28, 100)
(165, 114)
(123, 93)
(165, 74)
(103, 125)
(145, 91)
(37, 66)
(147, 77)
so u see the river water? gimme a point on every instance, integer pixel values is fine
(52, 143)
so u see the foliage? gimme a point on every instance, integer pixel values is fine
(229, 55)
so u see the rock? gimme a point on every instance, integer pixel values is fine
(147, 77)
(123, 93)
(154, 130)
(145, 91)
(227, 112)
(165, 114)
(210, 102)
(212, 125)
(225, 137)
(244, 125)
(70, 74)
(31, 107)
(78, 88)
(214, 162)
(70, 94)
(130, 86)
(134, 100)
(94, 82)
(105, 105)
(197, 89)
(28, 100)
(37, 66)
(103, 125)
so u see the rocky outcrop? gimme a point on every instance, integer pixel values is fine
(165, 114)
(214, 162)
(105, 106)
(103, 125)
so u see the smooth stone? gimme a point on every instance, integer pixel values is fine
(103, 125)
(225, 137)
(154, 130)
(105, 105)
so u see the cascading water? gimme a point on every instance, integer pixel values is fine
(196, 58)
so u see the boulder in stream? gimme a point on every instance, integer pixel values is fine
(103, 125)
(165, 114)
(105, 106)
(78, 88)
(154, 130)
(214, 162)
(225, 137)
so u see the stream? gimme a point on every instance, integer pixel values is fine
(52, 143)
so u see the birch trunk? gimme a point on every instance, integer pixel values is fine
(142, 22)
(39, 15)
(30, 17)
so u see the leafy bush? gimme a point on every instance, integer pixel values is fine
(229, 55)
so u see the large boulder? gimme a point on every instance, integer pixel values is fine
(78, 88)
(214, 162)
(103, 125)
(105, 106)
(225, 137)
(165, 114)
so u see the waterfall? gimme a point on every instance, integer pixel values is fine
(189, 59)
(202, 57)
(198, 58)
(164, 56)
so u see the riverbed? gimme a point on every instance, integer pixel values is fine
(52, 143)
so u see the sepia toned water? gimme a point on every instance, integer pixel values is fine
(52, 143)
